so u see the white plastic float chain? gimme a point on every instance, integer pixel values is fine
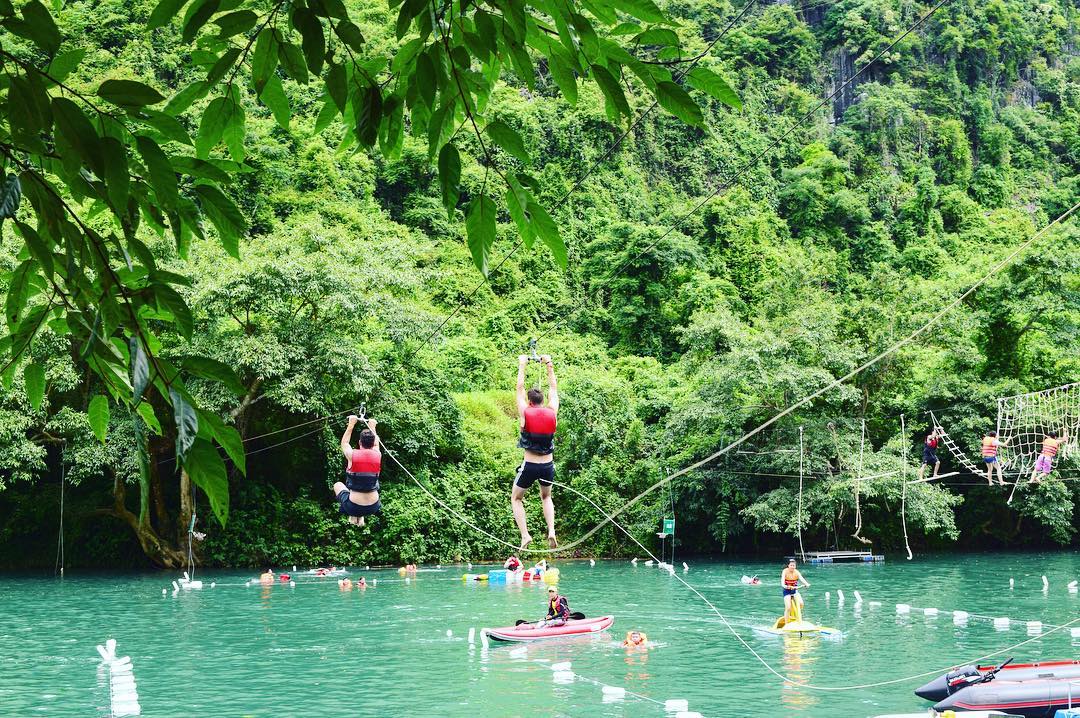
(123, 696)
(1001, 623)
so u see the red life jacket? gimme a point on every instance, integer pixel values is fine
(363, 471)
(538, 434)
(989, 446)
(931, 442)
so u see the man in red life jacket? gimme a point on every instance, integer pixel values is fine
(359, 495)
(537, 424)
(929, 452)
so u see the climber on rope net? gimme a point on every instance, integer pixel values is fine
(1045, 463)
(537, 423)
(358, 496)
(990, 446)
(929, 452)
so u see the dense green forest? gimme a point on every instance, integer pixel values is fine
(953, 148)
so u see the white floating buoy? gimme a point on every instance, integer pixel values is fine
(959, 617)
(685, 568)
(688, 714)
(438, 565)
(292, 584)
(839, 596)
(562, 677)
(1002, 623)
(674, 705)
(649, 562)
(483, 638)
(1034, 627)
(616, 691)
(634, 561)
(175, 586)
(472, 635)
(1075, 631)
(903, 608)
(469, 565)
(875, 604)
(827, 596)
(563, 666)
(1011, 583)
(930, 611)
(449, 633)
(1072, 586)
(367, 568)
(294, 568)
(592, 562)
(374, 582)
(212, 584)
(164, 591)
(858, 597)
(186, 577)
(247, 583)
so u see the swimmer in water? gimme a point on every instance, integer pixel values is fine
(267, 577)
(636, 639)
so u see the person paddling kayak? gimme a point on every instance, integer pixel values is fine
(558, 609)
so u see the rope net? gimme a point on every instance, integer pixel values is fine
(1024, 419)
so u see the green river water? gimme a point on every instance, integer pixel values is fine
(313, 650)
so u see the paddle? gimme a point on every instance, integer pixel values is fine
(576, 616)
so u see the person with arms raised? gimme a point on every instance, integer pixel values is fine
(537, 423)
(358, 496)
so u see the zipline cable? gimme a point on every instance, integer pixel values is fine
(728, 183)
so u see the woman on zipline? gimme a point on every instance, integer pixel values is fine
(359, 495)
(537, 424)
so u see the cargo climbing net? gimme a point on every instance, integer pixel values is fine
(1025, 419)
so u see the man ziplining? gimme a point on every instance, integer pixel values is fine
(537, 424)
(359, 495)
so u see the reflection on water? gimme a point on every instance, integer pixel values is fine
(265, 651)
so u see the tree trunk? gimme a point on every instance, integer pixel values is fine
(187, 508)
(153, 546)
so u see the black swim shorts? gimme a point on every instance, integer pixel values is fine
(929, 456)
(529, 472)
(350, 509)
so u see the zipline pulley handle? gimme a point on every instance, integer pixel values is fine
(533, 356)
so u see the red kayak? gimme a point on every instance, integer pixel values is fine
(527, 632)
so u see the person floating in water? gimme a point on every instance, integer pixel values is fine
(537, 424)
(512, 564)
(1045, 463)
(558, 609)
(267, 578)
(636, 639)
(359, 495)
(929, 452)
(990, 446)
(790, 579)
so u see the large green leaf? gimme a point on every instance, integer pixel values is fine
(292, 59)
(480, 230)
(314, 39)
(129, 93)
(350, 34)
(170, 300)
(98, 416)
(517, 203)
(450, 177)
(425, 79)
(611, 88)
(140, 369)
(215, 371)
(162, 177)
(212, 126)
(225, 215)
(642, 9)
(226, 436)
(37, 26)
(678, 102)
(273, 96)
(234, 23)
(205, 467)
(18, 291)
(197, 16)
(508, 139)
(64, 64)
(563, 74)
(146, 411)
(187, 422)
(657, 36)
(715, 86)
(548, 232)
(164, 12)
(79, 133)
(117, 179)
(225, 63)
(265, 58)
(34, 376)
(10, 195)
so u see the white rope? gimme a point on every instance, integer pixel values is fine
(802, 684)
(59, 567)
(903, 479)
(798, 516)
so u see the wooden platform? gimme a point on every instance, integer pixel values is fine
(839, 556)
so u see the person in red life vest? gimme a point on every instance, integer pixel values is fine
(358, 496)
(1045, 463)
(558, 609)
(512, 564)
(990, 445)
(537, 424)
(929, 452)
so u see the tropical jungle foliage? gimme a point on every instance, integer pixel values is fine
(224, 222)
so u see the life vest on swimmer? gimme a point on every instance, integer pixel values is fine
(641, 641)
(989, 446)
(538, 434)
(791, 582)
(1050, 447)
(363, 471)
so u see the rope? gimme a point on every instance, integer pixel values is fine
(798, 516)
(190, 533)
(903, 478)
(59, 567)
(858, 485)
(801, 684)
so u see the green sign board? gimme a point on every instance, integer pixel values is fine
(669, 526)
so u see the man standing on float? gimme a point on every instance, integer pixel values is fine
(537, 424)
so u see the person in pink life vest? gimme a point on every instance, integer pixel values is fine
(537, 423)
(358, 496)
(1050, 446)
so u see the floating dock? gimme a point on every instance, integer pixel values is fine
(841, 556)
